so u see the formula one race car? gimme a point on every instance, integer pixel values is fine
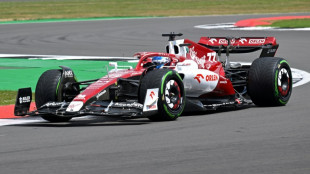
(190, 76)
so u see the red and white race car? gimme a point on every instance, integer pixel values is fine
(189, 76)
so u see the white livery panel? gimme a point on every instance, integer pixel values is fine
(197, 81)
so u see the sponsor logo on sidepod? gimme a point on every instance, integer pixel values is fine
(207, 77)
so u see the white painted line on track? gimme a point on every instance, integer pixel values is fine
(63, 57)
(231, 26)
(36, 119)
(6, 122)
(301, 77)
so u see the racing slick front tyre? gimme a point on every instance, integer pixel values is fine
(47, 91)
(270, 81)
(171, 93)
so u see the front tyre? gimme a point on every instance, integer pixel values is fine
(47, 90)
(270, 81)
(171, 93)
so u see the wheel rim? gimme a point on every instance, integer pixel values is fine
(284, 82)
(173, 95)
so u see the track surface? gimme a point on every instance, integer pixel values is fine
(254, 140)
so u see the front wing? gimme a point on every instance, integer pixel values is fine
(100, 108)
(130, 108)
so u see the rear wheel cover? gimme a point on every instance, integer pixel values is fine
(283, 82)
(270, 81)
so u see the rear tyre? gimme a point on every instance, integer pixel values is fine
(270, 81)
(47, 90)
(171, 93)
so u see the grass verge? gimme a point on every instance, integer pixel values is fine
(295, 23)
(9, 97)
(21, 73)
(56, 9)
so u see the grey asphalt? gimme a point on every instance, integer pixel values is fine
(257, 140)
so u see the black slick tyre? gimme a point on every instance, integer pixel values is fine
(47, 90)
(171, 93)
(270, 82)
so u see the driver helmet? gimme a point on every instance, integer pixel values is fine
(160, 61)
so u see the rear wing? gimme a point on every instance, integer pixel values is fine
(268, 45)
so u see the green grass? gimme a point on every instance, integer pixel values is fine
(296, 23)
(9, 97)
(21, 73)
(55, 9)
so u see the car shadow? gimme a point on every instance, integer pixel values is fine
(217, 111)
(89, 121)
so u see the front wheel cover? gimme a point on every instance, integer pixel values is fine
(171, 94)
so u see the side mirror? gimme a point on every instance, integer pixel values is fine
(114, 64)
